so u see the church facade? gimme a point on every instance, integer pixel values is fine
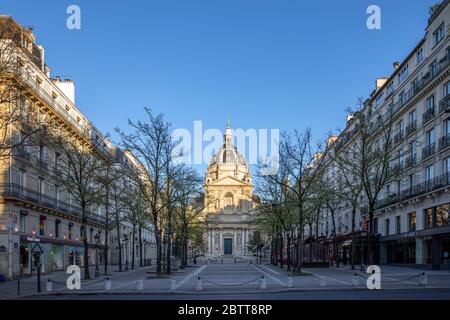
(229, 203)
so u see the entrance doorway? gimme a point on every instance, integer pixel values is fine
(228, 246)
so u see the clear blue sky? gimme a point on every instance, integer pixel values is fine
(269, 64)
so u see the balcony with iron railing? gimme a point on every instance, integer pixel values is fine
(444, 142)
(423, 188)
(429, 150)
(410, 161)
(444, 104)
(12, 190)
(398, 137)
(416, 88)
(428, 115)
(410, 128)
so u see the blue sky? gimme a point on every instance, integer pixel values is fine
(268, 64)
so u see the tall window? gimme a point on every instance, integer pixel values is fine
(429, 172)
(41, 187)
(387, 226)
(447, 168)
(41, 156)
(57, 224)
(431, 137)
(442, 215)
(419, 56)
(70, 230)
(430, 103)
(411, 181)
(23, 220)
(398, 224)
(412, 117)
(447, 89)
(22, 178)
(42, 225)
(439, 34)
(412, 221)
(412, 149)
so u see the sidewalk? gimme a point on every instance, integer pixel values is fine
(344, 278)
(28, 284)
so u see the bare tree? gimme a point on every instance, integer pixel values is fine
(148, 143)
(372, 162)
(18, 121)
(78, 171)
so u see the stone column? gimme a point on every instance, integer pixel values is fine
(420, 256)
(221, 242)
(213, 240)
(234, 241)
(243, 242)
(209, 240)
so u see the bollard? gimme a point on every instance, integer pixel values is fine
(355, 280)
(107, 284)
(289, 282)
(49, 286)
(173, 284)
(323, 282)
(262, 285)
(140, 285)
(199, 285)
(423, 281)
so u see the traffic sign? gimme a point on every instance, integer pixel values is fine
(36, 248)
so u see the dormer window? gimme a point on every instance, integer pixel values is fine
(419, 56)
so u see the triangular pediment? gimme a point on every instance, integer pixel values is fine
(229, 181)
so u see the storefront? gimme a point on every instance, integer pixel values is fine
(430, 248)
(57, 257)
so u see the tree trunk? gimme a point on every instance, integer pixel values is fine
(106, 229)
(119, 243)
(141, 262)
(353, 248)
(288, 252)
(134, 246)
(85, 244)
(281, 251)
(298, 267)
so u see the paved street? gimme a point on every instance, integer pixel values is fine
(243, 280)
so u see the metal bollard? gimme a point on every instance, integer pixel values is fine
(423, 281)
(355, 280)
(289, 282)
(107, 284)
(199, 284)
(323, 282)
(173, 284)
(262, 285)
(140, 285)
(49, 286)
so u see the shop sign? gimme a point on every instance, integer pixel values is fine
(32, 239)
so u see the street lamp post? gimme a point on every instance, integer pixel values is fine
(97, 242)
(125, 241)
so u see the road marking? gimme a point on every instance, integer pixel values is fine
(269, 269)
(336, 280)
(270, 276)
(193, 274)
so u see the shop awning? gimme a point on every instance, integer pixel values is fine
(347, 243)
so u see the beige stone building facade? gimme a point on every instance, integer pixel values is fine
(229, 202)
(35, 208)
